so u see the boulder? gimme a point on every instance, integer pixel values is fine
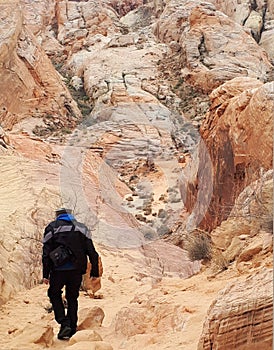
(145, 317)
(241, 316)
(255, 23)
(90, 318)
(36, 334)
(85, 335)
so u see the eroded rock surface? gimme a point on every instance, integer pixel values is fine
(30, 86)
(212, 47)
(241, 317)
(246, 148)
(255, 16)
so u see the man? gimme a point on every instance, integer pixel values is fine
(66, 245)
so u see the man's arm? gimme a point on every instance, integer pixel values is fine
(47, 248)
(93, 258)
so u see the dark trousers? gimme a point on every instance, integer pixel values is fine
(71, 279)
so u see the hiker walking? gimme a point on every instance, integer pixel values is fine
(66, 245)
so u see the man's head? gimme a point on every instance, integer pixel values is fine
(62, 211)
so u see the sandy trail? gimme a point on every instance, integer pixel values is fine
(122, 286)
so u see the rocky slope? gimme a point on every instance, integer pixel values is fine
(152, 119)
(135, 310)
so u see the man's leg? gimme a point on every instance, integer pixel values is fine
(57, 282)
(72, 293)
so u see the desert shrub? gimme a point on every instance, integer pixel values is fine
(198, 246)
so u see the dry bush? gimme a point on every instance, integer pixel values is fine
(199, 246)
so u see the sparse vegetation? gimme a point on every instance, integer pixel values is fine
(58, 66)
(79, 95)
(199, 246)
(82, 101)
(66, 131)
(178, 84)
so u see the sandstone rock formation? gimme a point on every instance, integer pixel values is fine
(241, 316)
(267, 34)
(30, 86)
(213, 49)
(240, 10)
(172, 120)
(256, 16)
(233, 118)
(252, 212)
(46, 171)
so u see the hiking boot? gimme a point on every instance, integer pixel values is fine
(64, 333)
(72, 332)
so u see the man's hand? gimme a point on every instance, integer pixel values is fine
(46, 280)
(93, 278)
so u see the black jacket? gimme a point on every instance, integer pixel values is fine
(74, 235)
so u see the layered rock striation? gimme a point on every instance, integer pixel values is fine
(241, 316)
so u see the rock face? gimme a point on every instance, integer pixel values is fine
(212, 47)
(267, 34)
(253, 211)
(255, 16)
(30, 85)
(238, 144)
(241, 317)
(122, 8)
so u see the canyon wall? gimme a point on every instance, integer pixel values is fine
(219, 56)
(237, 134)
